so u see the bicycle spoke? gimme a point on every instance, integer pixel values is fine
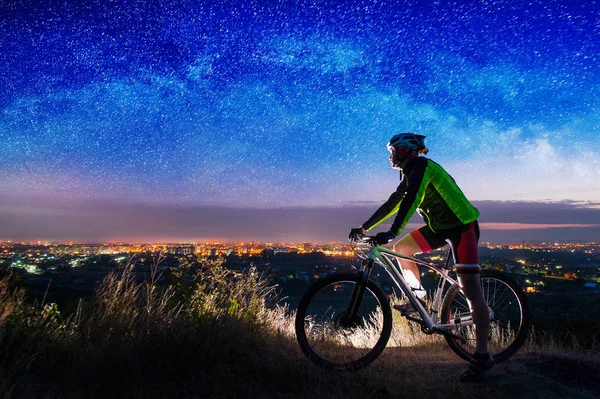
(498, 306)
(336, 338)
(508, 298)
(507, 328)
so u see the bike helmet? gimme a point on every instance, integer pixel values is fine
(412, 141)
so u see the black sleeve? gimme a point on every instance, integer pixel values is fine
(415, 190)
(388, 208)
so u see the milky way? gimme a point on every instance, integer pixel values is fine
(269, 104)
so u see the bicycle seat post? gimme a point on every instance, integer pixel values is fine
(448, 258)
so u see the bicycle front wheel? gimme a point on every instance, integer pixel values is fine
(333, 338)
(509, 316)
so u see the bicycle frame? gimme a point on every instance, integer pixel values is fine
(349, 330)
(385, 257)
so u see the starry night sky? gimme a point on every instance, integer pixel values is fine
(269, 119)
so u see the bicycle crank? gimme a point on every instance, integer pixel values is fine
(446, 333)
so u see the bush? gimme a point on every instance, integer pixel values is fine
(138, 333)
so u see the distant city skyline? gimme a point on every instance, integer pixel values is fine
(241, 120)
(70, 220)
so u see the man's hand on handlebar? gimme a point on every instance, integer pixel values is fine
(356, 233)
(385, 237)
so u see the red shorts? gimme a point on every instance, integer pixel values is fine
(463, 243)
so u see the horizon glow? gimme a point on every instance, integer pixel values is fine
(269, 106)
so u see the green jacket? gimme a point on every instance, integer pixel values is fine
(427, 188)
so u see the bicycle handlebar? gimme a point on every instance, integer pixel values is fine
(364, 239)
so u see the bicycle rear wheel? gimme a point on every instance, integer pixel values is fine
(333, 339)
(509, 322)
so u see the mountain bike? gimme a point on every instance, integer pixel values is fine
(344, 320)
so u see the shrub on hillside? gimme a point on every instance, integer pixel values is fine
(139, 332)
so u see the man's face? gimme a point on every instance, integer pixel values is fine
(394, 158)
(397, 155)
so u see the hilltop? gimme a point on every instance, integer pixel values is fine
(218, 338)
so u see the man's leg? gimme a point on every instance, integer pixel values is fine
(466, 256)
(481, 360)
(481, 317)
(409, 247)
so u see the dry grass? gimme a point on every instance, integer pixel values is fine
(216, 337)
(11, 299)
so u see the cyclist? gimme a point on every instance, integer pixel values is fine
(450, 219)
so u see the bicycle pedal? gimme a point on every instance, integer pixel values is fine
(449, 334)
(401, 309)
(410, 317)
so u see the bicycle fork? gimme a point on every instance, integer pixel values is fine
(359, 289)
